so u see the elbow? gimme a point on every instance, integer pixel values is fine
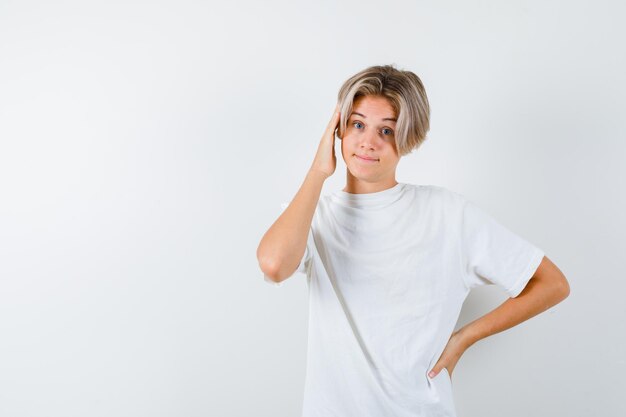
(274, 271)
(273, 266)
(560, 290)
(266, 263)
(270, 271)
(269, 267)
(564, 288)
(554, 280)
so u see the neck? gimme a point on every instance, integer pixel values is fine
(357, 186)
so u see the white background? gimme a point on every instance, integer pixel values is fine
(145, 147)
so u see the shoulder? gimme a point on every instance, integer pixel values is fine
(440, 194)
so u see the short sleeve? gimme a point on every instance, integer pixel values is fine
(304, 262)
(493, 254)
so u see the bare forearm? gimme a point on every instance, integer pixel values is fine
(538, 296)
(284, 243)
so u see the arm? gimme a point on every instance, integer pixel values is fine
(546, 288)
(283, 245)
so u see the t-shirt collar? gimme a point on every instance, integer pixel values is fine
(369, 199)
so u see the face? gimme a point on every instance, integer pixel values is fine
(368, 145)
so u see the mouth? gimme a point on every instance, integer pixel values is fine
(366, 159)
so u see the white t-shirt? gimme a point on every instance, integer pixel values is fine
(387, 273)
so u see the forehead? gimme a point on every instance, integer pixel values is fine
(373, 108)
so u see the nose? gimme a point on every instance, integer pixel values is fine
(369, 140)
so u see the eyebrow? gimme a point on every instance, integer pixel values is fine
(365, 117)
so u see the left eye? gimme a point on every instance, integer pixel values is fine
(390, 131)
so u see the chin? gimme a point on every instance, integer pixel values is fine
(361, 177)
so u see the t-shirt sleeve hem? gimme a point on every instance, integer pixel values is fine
(528, 273)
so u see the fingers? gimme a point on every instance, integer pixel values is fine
(334, 120)
(435, 371)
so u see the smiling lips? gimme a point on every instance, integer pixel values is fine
(365, 158)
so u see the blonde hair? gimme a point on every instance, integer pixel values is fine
(404, 91)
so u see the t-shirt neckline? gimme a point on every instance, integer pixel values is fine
(368, 199)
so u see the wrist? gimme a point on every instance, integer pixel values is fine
(317, 174)
(467, 336)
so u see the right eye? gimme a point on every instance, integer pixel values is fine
(354, 123)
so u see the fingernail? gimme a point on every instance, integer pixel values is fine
(431, 374)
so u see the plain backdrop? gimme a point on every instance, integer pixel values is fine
(145, 147)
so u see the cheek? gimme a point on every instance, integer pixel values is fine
(348, 140)
(344, 151)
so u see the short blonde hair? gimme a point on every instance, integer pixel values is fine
(404, 91)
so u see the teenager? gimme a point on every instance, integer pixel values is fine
(389, 264)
